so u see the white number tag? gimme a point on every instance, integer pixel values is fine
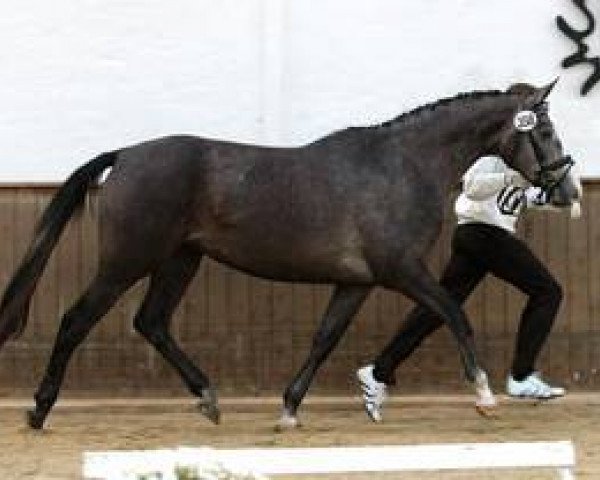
(525, 120)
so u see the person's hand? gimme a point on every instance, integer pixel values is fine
(515, 179)
(536, 196)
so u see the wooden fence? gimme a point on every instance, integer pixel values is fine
(251, 335)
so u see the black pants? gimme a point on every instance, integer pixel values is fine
(477, 249)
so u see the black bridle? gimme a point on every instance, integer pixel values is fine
(544, 177)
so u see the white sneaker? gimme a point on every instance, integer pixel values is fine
(374, 392)
(532, 387)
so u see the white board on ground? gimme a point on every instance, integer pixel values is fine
(119, 465)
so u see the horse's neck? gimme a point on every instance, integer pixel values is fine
(456, 135)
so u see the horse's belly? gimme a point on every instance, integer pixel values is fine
(309, 261)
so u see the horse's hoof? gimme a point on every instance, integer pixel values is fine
(35, 420)
(287, 422)
(487, 410)
(208, 406)
(211, 412)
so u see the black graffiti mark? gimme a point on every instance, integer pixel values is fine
(580, 56)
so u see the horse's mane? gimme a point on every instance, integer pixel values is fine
(519, 89)
(475, 95)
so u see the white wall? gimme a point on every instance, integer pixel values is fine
(86, 76)
(83, 76)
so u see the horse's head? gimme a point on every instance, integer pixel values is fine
(530, 145)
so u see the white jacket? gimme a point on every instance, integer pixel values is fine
(489, 196)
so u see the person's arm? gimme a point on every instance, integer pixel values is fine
(485, 179)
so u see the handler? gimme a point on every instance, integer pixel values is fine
(483, 242)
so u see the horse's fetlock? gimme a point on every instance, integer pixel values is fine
(291, 399)
(481, 378)
(45, 399)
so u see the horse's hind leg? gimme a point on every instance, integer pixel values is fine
(167, 285)
(75, 325)
(416, 281)
(344, 303)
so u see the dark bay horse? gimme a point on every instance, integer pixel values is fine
(358, 208)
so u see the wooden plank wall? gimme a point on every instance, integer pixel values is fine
(251, 335)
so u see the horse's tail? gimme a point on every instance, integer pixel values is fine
(14, 307)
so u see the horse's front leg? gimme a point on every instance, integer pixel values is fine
(414, 279)
(344, 303)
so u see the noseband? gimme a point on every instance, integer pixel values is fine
(525, 122)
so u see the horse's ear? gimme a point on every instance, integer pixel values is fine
(542, 93)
